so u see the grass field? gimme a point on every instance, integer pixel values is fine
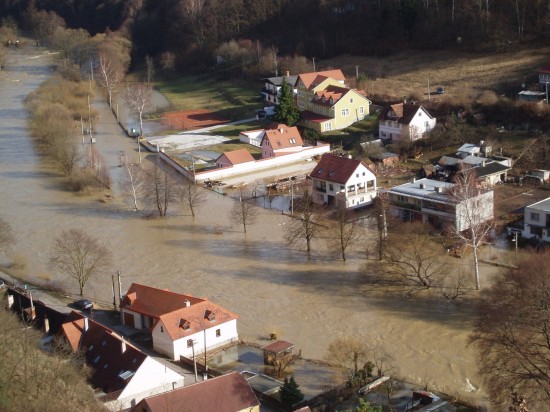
(232, 100)
(459, 73)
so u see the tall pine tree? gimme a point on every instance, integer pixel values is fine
(287, 112)
(290, 393)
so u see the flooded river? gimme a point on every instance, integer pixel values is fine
(273, 287)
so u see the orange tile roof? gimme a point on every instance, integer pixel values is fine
(226, 393)
(314, 78)
(278, 346)
(195, 318)
(154, 302)
(280, 138)
(238, 156)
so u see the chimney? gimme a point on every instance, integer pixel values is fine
(414, 180)
(421, 185)
(123, 345)
(281, 130)
(483, 163)
(437, 189)
(287, 73)
(186, 303)
(85, 324)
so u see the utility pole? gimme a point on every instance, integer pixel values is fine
(114, 297)
(313, 58)
(357, 72)
(546, 93)
(429, 94)
(516, 241)
(194, 359)
(119, 285)
(291, 197)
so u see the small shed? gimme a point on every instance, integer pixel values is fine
(277, 350)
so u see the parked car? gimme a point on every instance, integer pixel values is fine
(440, 90)
(83, 304)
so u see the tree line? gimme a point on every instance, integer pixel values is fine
(194, 30)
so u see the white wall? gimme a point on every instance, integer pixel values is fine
(249, 167)
(137, 318)
(151, 378)
(484, 210)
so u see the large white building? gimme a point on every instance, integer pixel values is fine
(180, 324)
(536, 223)
(432, 201)
(339, 179)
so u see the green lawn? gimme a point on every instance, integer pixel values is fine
(232, 100)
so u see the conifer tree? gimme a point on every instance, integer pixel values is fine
(290, 392)
(287, 112)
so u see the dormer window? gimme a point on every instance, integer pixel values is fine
(211, 316)
(185, 324)
(292, 141)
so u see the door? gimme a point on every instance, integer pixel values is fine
(128, 319)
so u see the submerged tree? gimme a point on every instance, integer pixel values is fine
(342, 233)
(80, 256)
(159, 189)
(244, 212)
(512, 333)
(305, 226)
(192, 196)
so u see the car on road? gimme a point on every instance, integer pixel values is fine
(83, 304)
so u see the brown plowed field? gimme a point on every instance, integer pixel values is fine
(191, 119)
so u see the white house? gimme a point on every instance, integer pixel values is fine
(404, 119)
(180, 324)
(272, 87)
(338, 179)
(536, 223)
(121, 374)
(432, 201)
(252, 137)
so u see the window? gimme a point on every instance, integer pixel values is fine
(535, 217)
(401, 198)
(345, 112)
(189, 343)
(351, 99)
(328, 126)
(363, 173)
(161, 329)
(426, 124)
(362, 199)
(342, 188)
(361, 110)
(218, 333)
(420, 113)
(357, 175)
(330, 187)
(292, 141)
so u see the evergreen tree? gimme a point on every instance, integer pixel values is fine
(290, 392)
(287, 112)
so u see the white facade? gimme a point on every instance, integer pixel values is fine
(215, 337)
(536, 222)
(151, 378)
(421, 123)
(252, 137)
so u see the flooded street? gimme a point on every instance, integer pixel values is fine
(273, 287)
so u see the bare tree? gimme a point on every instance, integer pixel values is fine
(192, 195)
(381, 214)
(414, 259)
(159, 189)
(349, 352)
(134, 184)
(150, 68)
(474, 214)
(108, 75)
(512, 333)
(343, 234)
(168, 63)
(305, 226)
(244, 212)
(138, 97)
(6, 234)
(80, 256)
(192, 10)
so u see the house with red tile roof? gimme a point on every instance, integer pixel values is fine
(233, 158)
(180, 325)
(281, 139)
(404, 120)
(121, 374)
(340, 181)
(226, 393)
(325, 103)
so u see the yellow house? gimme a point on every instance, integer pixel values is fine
(325, 103)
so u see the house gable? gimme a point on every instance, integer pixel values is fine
(340, 170)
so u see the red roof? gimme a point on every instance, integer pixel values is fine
(313, 117)
(314, 78)
(401, 112)
(236, 157)
(226, 393)
(103, 351)
(154, 302)
(336, 169)
(283, 137)
(279, 346)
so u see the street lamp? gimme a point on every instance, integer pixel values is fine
(515, 240)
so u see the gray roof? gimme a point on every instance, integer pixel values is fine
(278, 81)
(426, 189)
(491, 169)
(542, 205)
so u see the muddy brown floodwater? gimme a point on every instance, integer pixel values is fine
(273, 287)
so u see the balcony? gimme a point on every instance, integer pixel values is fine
(406, 205)
(320, 189)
